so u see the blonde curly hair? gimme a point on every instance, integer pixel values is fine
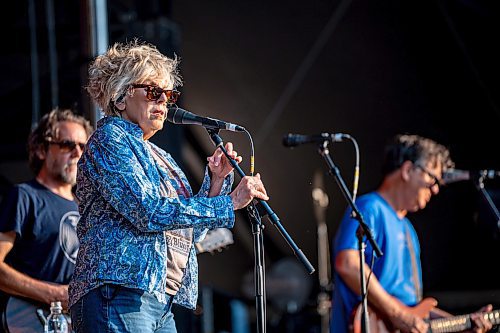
(112, 73)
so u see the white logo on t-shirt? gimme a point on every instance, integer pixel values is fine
(67, 235)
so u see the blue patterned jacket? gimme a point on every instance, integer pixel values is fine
(123, 215)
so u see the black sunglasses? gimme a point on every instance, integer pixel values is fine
(153, 93)
(435, 179)
(67, 146)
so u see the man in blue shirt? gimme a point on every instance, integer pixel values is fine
(412, 174)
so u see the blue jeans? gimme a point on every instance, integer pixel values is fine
(111, 308)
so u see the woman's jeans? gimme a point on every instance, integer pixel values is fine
(116, 309)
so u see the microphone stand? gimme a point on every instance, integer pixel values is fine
(362, 231)
(480, 187)
(254, 212)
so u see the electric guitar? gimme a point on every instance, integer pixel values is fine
(21, 315)
(380, 324)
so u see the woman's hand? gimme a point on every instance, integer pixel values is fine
(248, 189)
(219, 165)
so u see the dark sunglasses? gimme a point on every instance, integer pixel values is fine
(435, 179)
(67, 146)
(153, 93)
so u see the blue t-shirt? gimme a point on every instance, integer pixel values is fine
(393, 269)
(45, 223)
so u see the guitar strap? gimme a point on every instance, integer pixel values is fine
(414, 268)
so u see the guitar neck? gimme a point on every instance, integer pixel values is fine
(460, 323)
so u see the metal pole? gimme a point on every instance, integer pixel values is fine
(35, 84)
(51, 32)
(95, 35)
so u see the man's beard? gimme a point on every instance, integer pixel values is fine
(67, 176)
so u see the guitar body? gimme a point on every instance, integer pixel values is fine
(215, 241)
(381, 324)
(20, 316)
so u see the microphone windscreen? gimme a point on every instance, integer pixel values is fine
(289, 140)
(455, 175)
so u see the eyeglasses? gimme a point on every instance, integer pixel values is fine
(67, 146)
(435, 179)
(153, 93)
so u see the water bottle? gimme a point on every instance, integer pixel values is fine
(56, 321)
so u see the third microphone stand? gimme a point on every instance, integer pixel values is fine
(254, 212)
(362, 231)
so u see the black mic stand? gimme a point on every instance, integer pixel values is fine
(361, 232)
(479, 182)
(254, 212)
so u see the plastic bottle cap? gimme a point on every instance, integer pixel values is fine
(56, 304)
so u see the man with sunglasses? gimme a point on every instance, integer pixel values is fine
(38, 242)
(412, 173)
(140, 217)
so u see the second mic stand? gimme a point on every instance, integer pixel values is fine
(479, 182)
(254, 212)
(362, 231)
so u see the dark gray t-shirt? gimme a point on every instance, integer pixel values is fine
(45, 223)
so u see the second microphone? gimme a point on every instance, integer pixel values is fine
(292, 140)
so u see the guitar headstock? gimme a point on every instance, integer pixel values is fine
(215, 240)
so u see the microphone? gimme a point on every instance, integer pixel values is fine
(456, 175)
(176, 115)
(292, 140)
